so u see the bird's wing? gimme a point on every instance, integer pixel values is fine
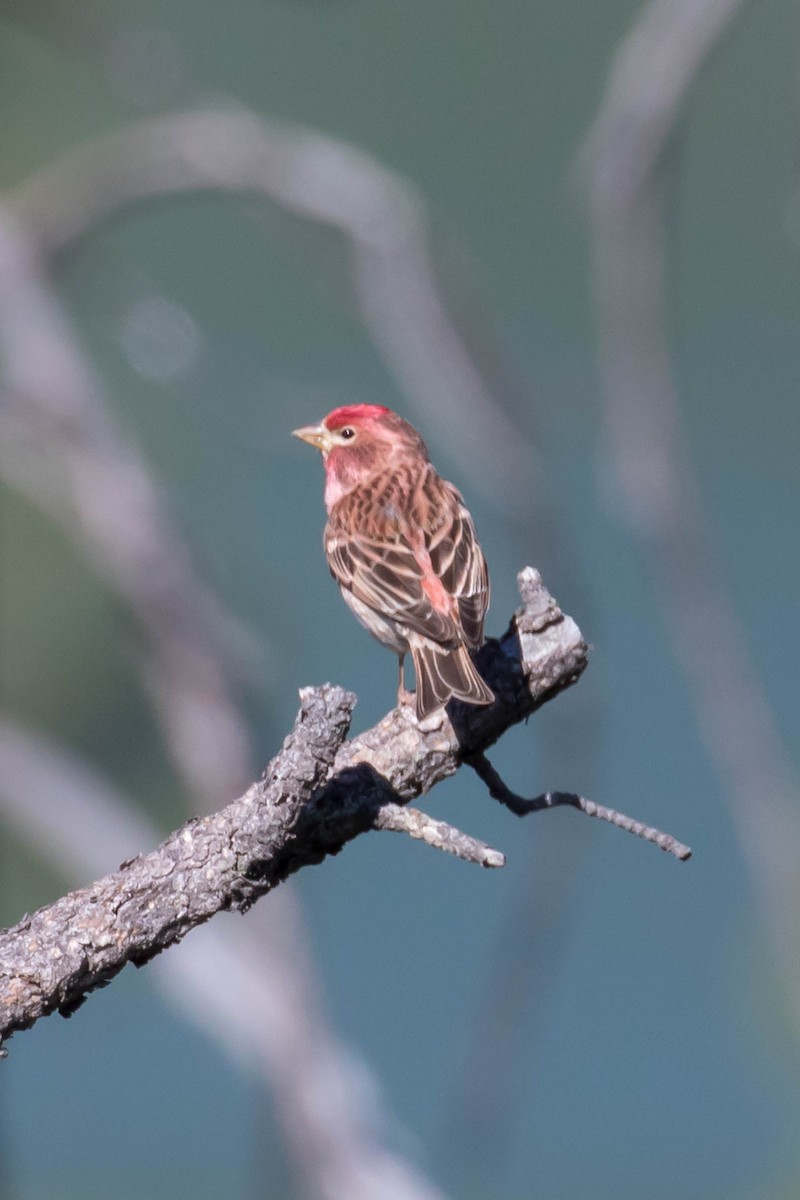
(406, 547)
(458, 561)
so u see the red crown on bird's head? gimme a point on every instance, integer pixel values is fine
(351, 414)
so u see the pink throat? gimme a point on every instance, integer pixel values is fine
(342, 474)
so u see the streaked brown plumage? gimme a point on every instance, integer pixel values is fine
(402, 547)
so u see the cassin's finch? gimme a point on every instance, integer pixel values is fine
(402, 547)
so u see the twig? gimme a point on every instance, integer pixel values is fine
(438, 834)
(290, 819)
(522, 807)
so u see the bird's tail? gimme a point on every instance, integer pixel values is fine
(442, 673)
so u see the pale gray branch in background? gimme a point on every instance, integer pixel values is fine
(650, 77)
(51, 408)
(332, 183)
(624, 157)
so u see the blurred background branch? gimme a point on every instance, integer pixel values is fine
(325, 180)
(61, 448)
(653, 487)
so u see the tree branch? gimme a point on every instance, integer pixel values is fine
(318, 793)
(50, 960)
(285, 821)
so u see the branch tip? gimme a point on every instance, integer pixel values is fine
(522, 807)
(440, 835)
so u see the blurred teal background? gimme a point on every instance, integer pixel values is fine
(645, 1040)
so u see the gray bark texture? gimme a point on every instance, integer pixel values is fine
(318, 793)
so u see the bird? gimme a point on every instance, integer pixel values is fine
(402, 546)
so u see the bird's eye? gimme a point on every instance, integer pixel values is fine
(347, 433)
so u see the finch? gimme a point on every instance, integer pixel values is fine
(402, 547)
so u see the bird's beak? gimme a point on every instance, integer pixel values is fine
(316, 435)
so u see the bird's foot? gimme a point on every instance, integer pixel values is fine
(405, 698)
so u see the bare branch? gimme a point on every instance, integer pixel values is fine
(522, 807)
(290, 819)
